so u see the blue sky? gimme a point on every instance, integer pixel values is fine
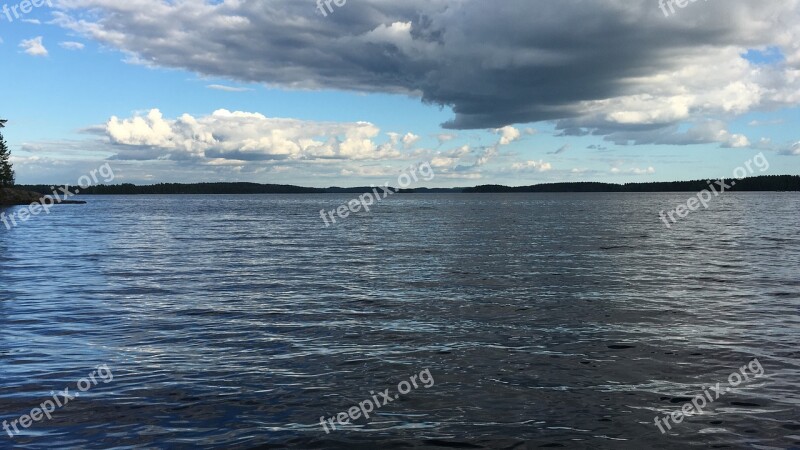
(68, 70)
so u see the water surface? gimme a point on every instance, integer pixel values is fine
(550, 319)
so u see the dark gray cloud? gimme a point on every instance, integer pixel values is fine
(596, 65)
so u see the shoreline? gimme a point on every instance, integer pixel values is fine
(765, 183)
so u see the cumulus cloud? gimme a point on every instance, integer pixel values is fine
(449, 159)
(527, 166)
(241, 143)
(508, 135)
(624, 68)
(410, 139)
(34, 47)
(244, 136)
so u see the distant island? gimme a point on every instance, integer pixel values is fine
(754, 184)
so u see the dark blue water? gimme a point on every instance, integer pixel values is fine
(548, 319)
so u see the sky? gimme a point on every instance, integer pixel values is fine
(513, 92)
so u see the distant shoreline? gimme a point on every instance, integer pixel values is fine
(769, 183)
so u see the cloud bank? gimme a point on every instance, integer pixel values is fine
(244, 136)
(614, 68)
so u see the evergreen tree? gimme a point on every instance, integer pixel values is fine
(6, 171)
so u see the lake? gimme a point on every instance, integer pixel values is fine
(568, 320)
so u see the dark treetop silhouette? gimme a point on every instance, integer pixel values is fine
(6, 170)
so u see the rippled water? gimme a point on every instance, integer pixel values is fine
(552, 319)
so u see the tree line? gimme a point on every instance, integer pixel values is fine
(760, 183)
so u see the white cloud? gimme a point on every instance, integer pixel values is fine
(764, 123)
(527, 166)
(410, 139)
(69, 45)
(445, 137)
(34, 47)
(369, 171)
(244, 136)
(634, 171)
(737, 141)
(221, 87)
(449, 159)
(508, 135)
